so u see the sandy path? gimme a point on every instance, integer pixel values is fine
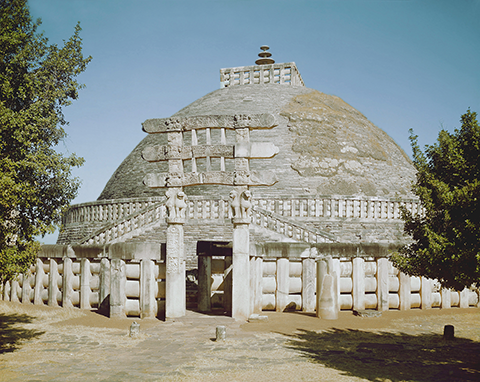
(55, 344)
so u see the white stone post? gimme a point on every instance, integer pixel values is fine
(283, 283)
(204, 282)
(52, 283)
(25, 289)
(104, 288)
(148, 307)
(14, 291)
(404, 291)
(382, 284)
(241, 268)
(327, 286)
(464, 298)
(85, 284)
(258, 302)
(67, 284)
(39, 275)
(308, 285)
(175, 285)
(426, 293)
(227, 285)
(118, 279)
(446, 298)
(358, 281)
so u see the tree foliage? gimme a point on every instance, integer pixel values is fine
(446, 239)
(37, 80)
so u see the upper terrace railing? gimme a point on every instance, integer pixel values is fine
(284, 74)
(201, 208)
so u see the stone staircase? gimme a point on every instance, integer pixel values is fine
(267, 226)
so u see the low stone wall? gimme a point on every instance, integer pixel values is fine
(128, 279)
(124, 279)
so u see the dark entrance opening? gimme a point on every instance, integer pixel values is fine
(214, 277)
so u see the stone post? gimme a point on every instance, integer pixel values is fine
(426, 292)
(85, 284)
(52, 283)
(67, 283)
(327, 286)
(148, 307)
(241, 268)
(227, 285)
(283, 284)
(308, 285)
(404, 292)
(204, 282)
(464, 298)
(39, 275)
(175, 285)
(25, 289)
(14, 291)
(446, 298)
(104, 289)
(258, 286)
(358, 281)
(118, 279)
(382, 284)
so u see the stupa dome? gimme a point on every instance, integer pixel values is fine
(326, 147)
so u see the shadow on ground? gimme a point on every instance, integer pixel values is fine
(11, 336)
(386, 356)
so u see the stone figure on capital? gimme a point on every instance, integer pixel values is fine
(241, 204)
(176, 204)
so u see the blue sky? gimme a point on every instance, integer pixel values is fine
(402, 63)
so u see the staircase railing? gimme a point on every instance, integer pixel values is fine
(291, 229)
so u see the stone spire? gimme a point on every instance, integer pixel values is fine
(264, 56)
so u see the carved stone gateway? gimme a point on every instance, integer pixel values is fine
(240, 197)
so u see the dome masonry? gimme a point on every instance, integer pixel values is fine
(326, 147)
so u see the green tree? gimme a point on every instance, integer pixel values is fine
(37, 80)
(446, 238)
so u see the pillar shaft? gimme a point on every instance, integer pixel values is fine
(358, 280)
(175, 286)
(118, 279)
(204, 283)
(241, 274)
(382, 284)
(148, 308)
(308, 285)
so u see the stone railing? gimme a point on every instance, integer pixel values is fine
(288, 228)
(338, 207)
(130, 225)
(107, 210)
(201, 208)
(129, 279)
(284, 74)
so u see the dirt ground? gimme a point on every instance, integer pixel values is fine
(39, 343)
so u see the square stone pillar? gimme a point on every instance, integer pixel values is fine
(426, 293)
(118, 279)
(241, 269)
(358, 281)
(53, 283)
(308, 285)
(382, 284)
(148, 308)
(67, 283)
(85, 284)
(283, 283)
(464, 298)
(404, 291)
(175, 285)
(256, 279)
(204, 282)
(446, 298)
(327, 287)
